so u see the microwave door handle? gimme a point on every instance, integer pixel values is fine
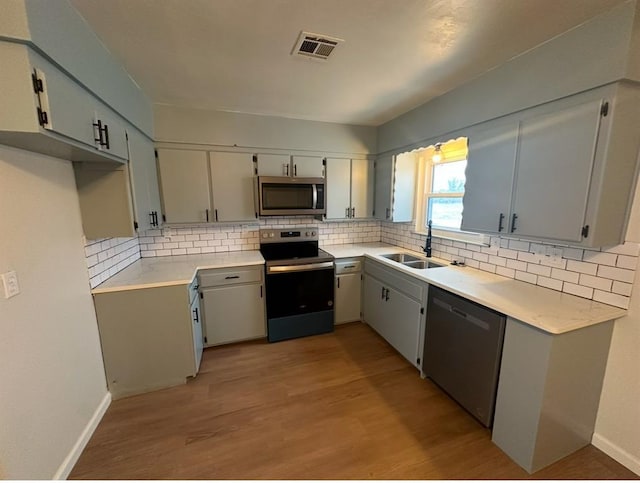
(315, 196)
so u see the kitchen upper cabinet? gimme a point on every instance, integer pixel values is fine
(292, 166)
(349, 188)
(144, 181)
(490, 166)
(44, 110)
(395, 182)
(573, 168)
(232, 186)
(184, 181)
(307, 166)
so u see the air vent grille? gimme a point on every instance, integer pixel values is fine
(315, 45)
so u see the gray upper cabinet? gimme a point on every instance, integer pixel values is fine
(144, 181)
(395, 182)
(573, 169)
(232, 186)
(292, 166)
(349, 188)
(44, 110)
(112, 137)
(184, 182)
(490, 166)
(555, 159)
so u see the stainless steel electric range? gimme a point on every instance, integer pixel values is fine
(299, 283)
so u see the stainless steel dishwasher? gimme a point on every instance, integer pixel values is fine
(462, 351)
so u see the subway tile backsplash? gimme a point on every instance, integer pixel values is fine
(604, 275)
(108, 256)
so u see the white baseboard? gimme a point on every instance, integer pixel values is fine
(72, 458)
(617, 453)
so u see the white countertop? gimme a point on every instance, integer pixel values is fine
(174, 270)
(549, 310)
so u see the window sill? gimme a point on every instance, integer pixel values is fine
(459, 236)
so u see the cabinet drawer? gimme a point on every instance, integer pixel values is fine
(395, 279)
(229, 276)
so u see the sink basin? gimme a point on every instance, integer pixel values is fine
(401, 257)
(421, 264)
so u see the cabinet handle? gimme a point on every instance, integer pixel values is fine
(514, 217)
(388, 213)
(338, 279)
(231, 277)
(152, 219)
(260, 291)
(106, 137)
(216, 210)
(500, 220)
(346, 212)
(353, 212)
(196, 287)
(196, 319)
(287, 166)
(295, 170)
(386, 298)
(383, 289)
(207, 213)
(98, 126)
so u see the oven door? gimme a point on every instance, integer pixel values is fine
(299, 289)
(290, 196)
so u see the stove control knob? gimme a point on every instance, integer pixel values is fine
(313, 233)
(265, 235)
(271, 235)
(306, 233)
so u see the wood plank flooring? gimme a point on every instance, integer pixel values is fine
(336, 406)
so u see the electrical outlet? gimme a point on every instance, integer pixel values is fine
(10, 282)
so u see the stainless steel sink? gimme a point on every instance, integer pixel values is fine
(421, 264)
(401, 257)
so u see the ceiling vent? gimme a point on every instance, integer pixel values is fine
(315, 46)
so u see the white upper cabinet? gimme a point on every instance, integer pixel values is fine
(573, 164)
(349, 188)
(292, 166)
(490, 166)
(144, 181)
(232, 186)
(184, 181)
(395, 187)
(307, 167)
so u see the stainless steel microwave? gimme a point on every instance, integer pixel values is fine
(283, 196)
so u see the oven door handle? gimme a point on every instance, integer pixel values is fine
(314, 190)
(298, 268)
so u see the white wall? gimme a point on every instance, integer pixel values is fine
(51, 373)
(217, 128)
(598, 52)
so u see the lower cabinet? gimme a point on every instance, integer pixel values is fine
(233, 304)
(147, 337)
(348, 290)
(393, 306)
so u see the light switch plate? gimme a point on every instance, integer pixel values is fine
(10, 282)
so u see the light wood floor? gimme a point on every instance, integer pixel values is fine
(337, 406)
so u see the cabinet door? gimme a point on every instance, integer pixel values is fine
(347, 293)
(274, 165)
(489, 178)
(404, 179)
(383, 188)
(184, 180)
(233, 313)
(555, 160)
(232, 186)
(338, 188)
(196, 329)
(308, 166)
(402, 325)
(70, 108)
(361, 189)
(144, 179)
(373, 303)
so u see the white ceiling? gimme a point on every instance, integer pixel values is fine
(234, 55)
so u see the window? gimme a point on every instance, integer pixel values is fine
(441, 185)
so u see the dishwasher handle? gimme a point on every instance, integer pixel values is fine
(469, 318)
